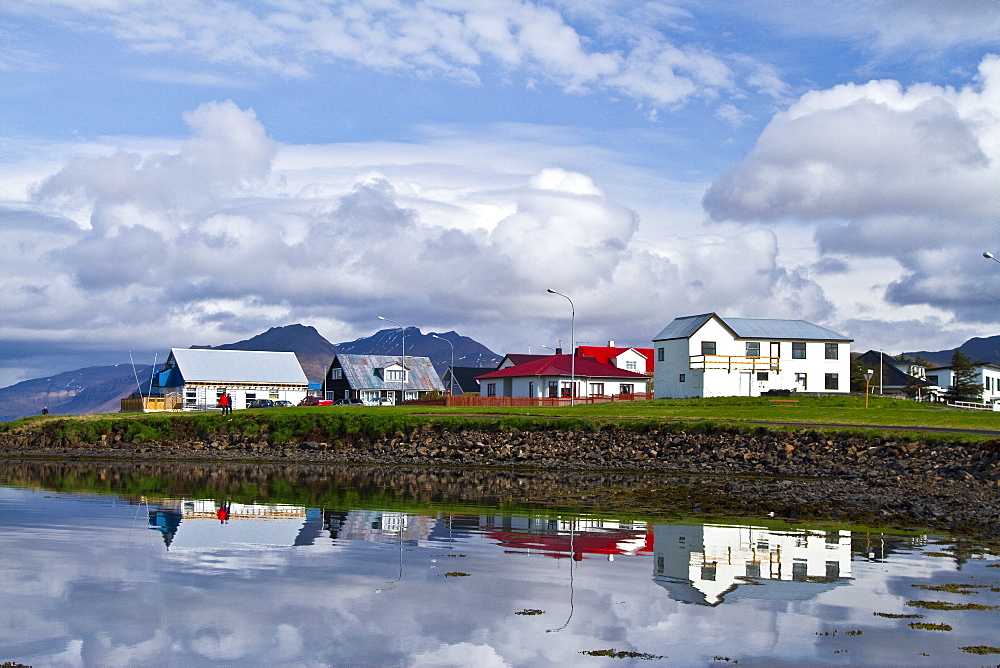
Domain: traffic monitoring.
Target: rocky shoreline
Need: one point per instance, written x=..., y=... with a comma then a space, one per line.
x=806, y=475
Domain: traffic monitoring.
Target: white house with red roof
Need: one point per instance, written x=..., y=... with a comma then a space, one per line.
x=639, y=360
x=554, y=376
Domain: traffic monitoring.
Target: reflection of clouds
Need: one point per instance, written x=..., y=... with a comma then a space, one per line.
x=98, y=596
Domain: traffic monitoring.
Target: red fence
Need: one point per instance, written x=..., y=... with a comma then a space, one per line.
x=503, y=402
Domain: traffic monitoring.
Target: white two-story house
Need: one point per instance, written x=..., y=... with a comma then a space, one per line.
x=711, y=356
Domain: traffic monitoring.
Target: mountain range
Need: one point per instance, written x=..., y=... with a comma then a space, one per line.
x=99, y=389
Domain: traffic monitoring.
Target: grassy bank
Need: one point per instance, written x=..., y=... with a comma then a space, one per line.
x=902, y=420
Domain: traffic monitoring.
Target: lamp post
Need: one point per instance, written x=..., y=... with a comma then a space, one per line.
x=572, y=347
x=989, y=256
x=868, y=377
x=451, y=391
x=402, y=378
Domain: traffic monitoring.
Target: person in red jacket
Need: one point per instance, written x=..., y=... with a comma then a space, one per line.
x=226, y=402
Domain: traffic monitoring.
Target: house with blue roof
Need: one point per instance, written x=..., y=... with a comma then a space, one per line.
x=194, y=378
x=709, y=355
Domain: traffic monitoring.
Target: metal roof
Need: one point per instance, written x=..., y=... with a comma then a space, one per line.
x=238, y=366
x=752, y=328
x=360, y=372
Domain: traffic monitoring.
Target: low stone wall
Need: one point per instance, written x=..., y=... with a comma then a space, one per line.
x=807, y=474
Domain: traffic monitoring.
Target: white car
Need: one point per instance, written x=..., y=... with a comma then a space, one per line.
x=380, y=401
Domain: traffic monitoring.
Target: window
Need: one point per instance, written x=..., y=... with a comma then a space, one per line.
x=531, y=389
x=798, y=350
x=932, y=379
x=336, y=374
x=597, y=389
x=553, y=389
x=761, y=375
x=630, y=366
x=800, y=380
x=753, y=348
x=659, y=354
x=832, y=381
x=708, y=347
x=832, y=351
x=627, y=388
x=491, y=389
x=252, y=395
x=683, y=378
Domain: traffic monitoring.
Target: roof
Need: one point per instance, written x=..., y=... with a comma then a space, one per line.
x=564, y=365
x=751, y=328
x=237, y=366
x=520, y=358
x=465, y=377
x=891, y=375
x=360, y=372
x=605, y=354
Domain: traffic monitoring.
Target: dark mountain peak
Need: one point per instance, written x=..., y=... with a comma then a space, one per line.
x=978, y=349
x=295, y=338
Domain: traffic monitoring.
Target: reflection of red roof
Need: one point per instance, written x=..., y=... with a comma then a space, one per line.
x=563, y=365
x=605, y=354
x=563, y=545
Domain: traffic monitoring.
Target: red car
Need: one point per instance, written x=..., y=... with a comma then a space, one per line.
x=316, y=401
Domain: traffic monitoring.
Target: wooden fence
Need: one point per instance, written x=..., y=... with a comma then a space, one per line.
x=507, y=402
x=144, y=404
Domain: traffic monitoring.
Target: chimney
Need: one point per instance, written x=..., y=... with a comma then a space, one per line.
x=558, y=351
x=611, y=344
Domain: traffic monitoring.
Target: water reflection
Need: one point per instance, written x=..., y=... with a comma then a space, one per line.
x=144, y=577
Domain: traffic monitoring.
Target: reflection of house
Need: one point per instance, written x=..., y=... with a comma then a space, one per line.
x=195, y=524
x=562, y=538
x=371, y=377
x=711, y=356
x=707, y=564
x=553, y=376
x=380, y=526
x=199, y=375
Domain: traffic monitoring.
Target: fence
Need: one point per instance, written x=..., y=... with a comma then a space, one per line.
x=513, y=402
x=144, y=404
x=976, y=407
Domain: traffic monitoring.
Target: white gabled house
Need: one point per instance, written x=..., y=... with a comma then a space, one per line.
x=194, y=378
x=711, y=356
x=987, y=375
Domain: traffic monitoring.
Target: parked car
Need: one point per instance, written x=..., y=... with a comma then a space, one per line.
x=316, y=401
x=260, y=403
x=380, y=401
x=349, y=402
x=283, y=403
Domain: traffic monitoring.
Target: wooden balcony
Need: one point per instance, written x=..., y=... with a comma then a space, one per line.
x=734, y=363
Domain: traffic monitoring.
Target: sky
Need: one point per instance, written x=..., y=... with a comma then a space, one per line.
x=191, y=172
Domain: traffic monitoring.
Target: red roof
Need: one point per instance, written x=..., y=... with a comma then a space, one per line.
x=605, y=354
x=563, y=365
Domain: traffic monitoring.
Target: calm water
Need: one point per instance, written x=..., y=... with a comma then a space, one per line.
x=429, y=579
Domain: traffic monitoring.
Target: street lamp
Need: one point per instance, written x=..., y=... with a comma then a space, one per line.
x=989, y=256
x=868, y=377
x=572, y=347
x=451, y=392
x=402, y=378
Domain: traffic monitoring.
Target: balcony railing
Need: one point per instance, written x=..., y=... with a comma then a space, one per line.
x=734, y=362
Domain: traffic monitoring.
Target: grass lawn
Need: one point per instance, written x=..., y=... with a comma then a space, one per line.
x=847, y=412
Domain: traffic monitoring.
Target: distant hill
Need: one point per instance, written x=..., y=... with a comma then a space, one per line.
x=468, y=352
x=100, y=389
x=312, y=350
x=977, y=349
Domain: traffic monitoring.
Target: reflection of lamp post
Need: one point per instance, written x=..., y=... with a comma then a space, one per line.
x=402, y=360
x=451, y=391
x=989, y=256
x=572, y=559
x=572, y=347
x=868, y=377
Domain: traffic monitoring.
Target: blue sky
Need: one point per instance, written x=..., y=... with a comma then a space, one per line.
x=197, y=172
